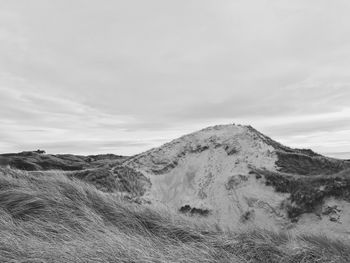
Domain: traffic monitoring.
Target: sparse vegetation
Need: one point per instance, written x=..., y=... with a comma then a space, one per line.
x=308, y=192
x=56, y=219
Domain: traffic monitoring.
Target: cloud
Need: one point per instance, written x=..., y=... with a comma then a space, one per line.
x=130, y=70
x=305, y=97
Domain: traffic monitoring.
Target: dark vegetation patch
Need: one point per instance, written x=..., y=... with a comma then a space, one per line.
x=187, y=209
x=22, y=164
x=39, y=161
x=131, y=181
x=247, y=216
x=302, y=164
x=119, y=179
x=307, y=193
x=230, y=150
x=198, y=148
x=164, y=167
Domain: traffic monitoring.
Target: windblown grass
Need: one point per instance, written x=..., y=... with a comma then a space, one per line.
x=51, y=218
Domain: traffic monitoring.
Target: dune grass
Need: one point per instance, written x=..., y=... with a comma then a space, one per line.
x=51, y=218
x=307, y=193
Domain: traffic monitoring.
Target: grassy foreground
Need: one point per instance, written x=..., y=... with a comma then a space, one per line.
x=51, y=218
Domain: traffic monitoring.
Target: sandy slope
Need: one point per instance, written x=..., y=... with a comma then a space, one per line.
x=209, y=170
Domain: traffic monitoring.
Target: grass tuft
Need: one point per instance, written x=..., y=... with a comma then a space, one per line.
x=47, y=217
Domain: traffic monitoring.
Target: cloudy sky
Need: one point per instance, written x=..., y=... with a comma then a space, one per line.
x=124, y=76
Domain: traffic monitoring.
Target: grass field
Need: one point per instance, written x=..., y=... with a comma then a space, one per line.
x=47, y=217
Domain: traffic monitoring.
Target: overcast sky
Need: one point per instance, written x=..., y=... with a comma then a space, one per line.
x=124, y=76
